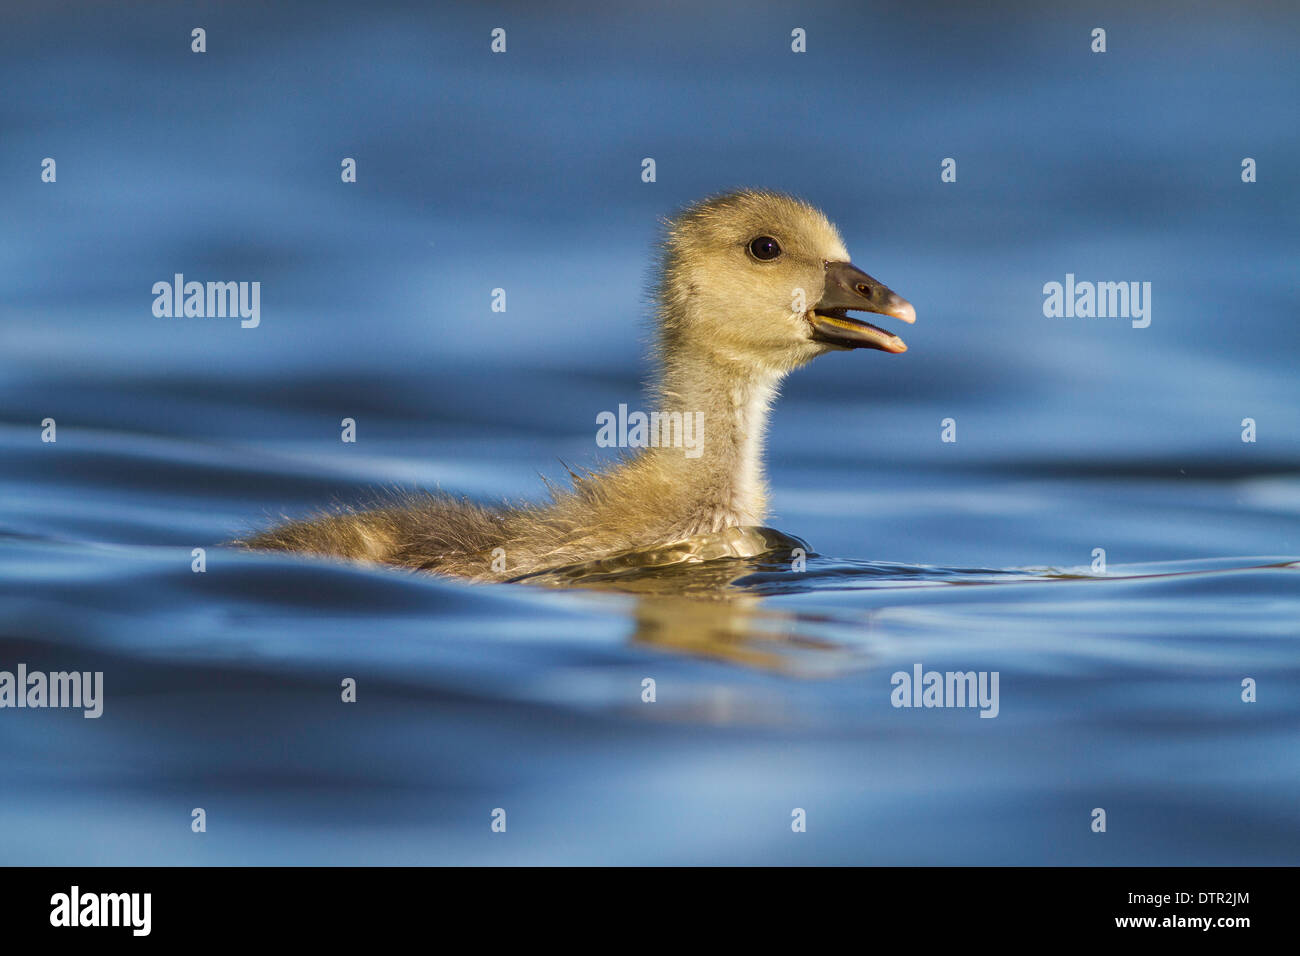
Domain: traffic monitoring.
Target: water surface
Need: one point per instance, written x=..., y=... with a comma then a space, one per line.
x=1119, y=688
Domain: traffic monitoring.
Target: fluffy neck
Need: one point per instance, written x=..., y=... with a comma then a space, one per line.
x=719, y=483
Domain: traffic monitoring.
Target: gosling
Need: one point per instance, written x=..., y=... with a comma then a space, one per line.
x=752, y=285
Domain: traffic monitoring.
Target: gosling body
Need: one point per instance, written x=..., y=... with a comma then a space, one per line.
x=752, y=285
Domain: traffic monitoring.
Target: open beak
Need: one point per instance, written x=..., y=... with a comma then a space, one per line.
x=848, y=287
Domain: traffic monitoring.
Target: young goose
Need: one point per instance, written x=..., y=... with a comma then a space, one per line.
x=752, y=285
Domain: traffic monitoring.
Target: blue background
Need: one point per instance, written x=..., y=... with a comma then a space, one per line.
x=522, y=171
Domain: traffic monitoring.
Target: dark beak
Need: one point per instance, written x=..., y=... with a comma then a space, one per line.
x=848, y=287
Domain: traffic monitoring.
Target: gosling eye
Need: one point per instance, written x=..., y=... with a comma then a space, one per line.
x=764, y=248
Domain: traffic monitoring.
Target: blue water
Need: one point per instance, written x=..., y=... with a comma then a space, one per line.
x=1118, y=689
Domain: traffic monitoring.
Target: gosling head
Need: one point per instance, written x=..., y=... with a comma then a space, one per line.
x=762, y=278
